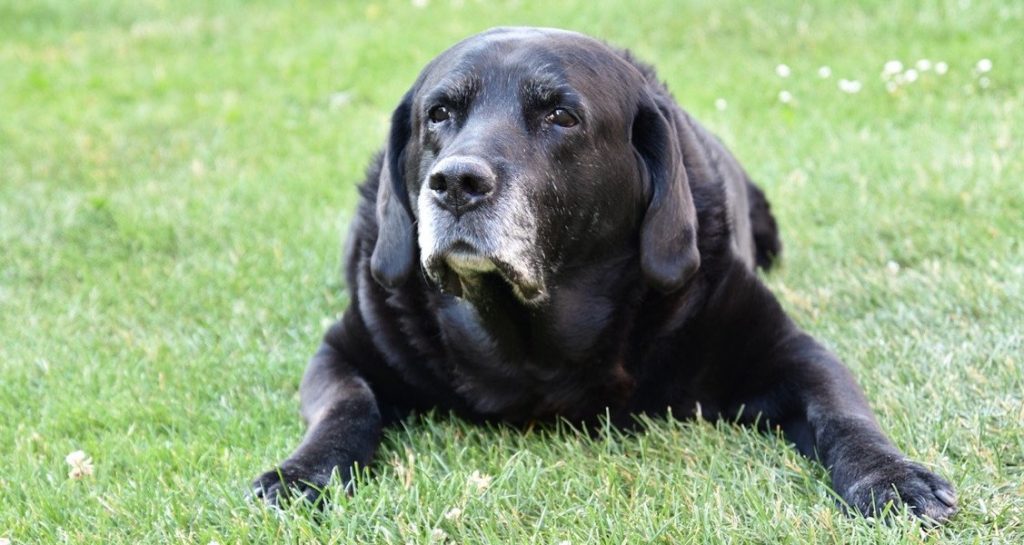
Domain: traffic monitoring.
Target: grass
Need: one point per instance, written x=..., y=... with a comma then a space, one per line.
x=175, y=176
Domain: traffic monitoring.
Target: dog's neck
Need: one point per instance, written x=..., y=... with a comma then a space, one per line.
x=541, y=359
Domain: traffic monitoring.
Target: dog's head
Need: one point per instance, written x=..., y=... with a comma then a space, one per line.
x=526, y=152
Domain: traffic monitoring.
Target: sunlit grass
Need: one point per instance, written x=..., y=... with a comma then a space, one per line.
x=175, y=178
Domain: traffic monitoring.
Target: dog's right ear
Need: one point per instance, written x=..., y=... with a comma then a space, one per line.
x=394, y=254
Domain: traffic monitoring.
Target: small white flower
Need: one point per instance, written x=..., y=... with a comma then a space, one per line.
x=198, y=168
x=5, y=541
x=824, y=72
x=81, y=464
x=438, y=535
x=785, y=97
x=76, y=457
x=479, y=481
x=565, y=542
x=892, y=67
x=983, y=66
x=721, y=104
x=923, y=65
x=892, y=267
x=892, y=86
x=941, y=68
x=910, y=76
x=850, y=86
x=339, y=100
x=783, y=71
x=419, y=3
x=453, y=514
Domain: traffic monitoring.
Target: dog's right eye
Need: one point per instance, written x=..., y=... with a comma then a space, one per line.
x=562, y=118
x=438, y=114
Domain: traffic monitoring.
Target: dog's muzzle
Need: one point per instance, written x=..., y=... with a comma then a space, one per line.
x=469, y=225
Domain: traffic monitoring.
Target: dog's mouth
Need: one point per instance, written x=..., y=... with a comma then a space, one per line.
x=462, y=269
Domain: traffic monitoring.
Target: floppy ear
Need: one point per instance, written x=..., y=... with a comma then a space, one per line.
x=394, y=253
x=668, y=236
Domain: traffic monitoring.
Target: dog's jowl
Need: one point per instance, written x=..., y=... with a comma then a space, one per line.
x=545, y=235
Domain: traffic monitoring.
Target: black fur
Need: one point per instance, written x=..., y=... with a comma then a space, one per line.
x=630, y=286
x=767, y=244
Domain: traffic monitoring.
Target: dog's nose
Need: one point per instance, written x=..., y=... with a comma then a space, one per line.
x=461, y=183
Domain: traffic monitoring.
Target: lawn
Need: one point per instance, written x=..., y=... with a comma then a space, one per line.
x=175, y=178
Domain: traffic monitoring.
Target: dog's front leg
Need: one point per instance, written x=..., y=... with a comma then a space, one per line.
x=820, y=407
x=344, y=427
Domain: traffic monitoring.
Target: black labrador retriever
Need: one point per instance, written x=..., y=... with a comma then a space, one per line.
x=547, y=234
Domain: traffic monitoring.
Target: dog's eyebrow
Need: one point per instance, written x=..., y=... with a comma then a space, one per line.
x=547, y=91
x=456, y=89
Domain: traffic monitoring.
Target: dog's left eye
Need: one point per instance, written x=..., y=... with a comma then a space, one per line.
x=439, y=114
x=562, y=118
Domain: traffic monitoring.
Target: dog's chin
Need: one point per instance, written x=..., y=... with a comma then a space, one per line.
x=461, y=272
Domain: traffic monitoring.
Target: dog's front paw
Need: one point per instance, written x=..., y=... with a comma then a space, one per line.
x=902, y=482
x=288, y=483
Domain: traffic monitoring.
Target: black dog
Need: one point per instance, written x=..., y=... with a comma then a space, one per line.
x=547, y=234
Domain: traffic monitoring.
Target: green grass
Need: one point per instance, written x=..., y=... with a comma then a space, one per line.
x=174, y=179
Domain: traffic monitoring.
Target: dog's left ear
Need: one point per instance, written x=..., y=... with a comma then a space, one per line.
x=668, y=236
x=395, y=252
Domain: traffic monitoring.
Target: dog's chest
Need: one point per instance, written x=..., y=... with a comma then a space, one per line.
x=518, y=380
